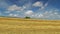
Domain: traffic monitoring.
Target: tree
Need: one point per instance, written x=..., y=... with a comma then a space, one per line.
x=27, y=17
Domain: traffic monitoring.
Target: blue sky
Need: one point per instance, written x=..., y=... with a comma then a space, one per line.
x=45, y=9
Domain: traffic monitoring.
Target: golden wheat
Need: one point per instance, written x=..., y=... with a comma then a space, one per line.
x=29, y=26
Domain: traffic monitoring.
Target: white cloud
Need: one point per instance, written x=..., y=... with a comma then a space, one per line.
x=40, y=15
x=7, y=11
x=47, y=15
x=46, y=4
x=15, y=8
x=10, y=14
x=29, y=13
x=40, y=4
x=51, y=15
x=24, y=7
x=27, y=5
x=55, y=13
x=0, y=13
x=13, y=15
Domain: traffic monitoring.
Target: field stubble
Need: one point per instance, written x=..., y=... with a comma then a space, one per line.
x=29, y=26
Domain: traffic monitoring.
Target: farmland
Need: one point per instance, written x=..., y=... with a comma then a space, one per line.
x=29, y=26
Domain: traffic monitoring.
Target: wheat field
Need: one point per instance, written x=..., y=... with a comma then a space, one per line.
x=29, y=26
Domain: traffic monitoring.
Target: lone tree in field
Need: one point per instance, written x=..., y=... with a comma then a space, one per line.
x=27, y=17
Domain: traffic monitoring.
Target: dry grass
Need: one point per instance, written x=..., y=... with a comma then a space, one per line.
x=29, y=26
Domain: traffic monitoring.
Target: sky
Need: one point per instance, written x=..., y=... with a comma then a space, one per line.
x=43, y=9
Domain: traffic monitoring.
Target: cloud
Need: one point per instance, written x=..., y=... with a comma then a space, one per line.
x=20, y=10
x=10, y=14
x=24, y=7
x=13, y=15
x=51, y=14
x=29, y=13
x=15, y=8
x=40, y=4
x=28, y=6
x=40, y=15
x=0, y=13
x=46, y=4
